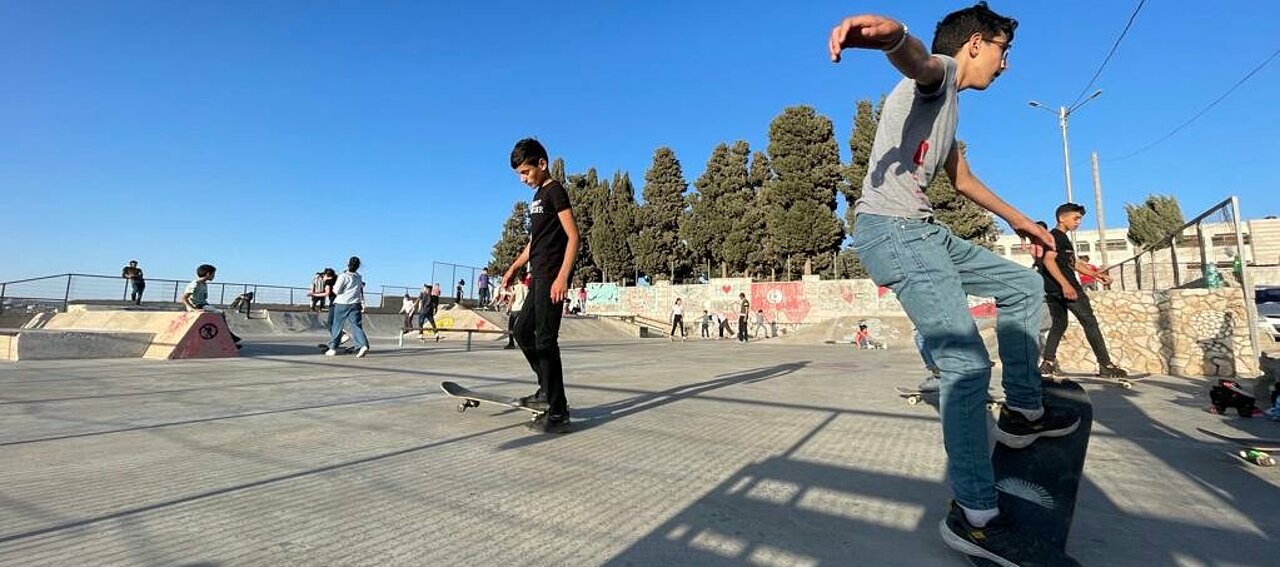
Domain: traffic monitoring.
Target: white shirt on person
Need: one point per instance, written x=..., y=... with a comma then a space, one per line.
x=349, y=289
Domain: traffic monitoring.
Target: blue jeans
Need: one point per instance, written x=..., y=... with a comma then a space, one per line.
x=924, y=353
x=932, y=271
x=346, y=313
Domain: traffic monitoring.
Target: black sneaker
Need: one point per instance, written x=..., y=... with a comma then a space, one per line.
x=1112, y=371
x=1049, y=368
x=1015, y=431
x=536, y=401
x=1001, y=542
x=548, y=423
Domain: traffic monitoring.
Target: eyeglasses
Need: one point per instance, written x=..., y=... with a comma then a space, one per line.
x=1005, y=46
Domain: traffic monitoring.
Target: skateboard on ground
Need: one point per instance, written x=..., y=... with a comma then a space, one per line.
x=1261, y=449
x=1245, y=442
x=914, y=397
x=471, y=399
x=1127, y=382
x=343, y=339
x=1038, y=484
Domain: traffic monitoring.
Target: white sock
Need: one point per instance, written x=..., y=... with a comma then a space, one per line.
x=1032, y=415
x=979, y=518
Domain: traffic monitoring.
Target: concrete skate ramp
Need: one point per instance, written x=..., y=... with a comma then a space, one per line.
x=175, y=334
x=892, y=330
x=585, y=328
x=44, y=344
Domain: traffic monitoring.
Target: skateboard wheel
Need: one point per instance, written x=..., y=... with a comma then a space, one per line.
x=913, y=400
x=1126, y=384
x=462, y=407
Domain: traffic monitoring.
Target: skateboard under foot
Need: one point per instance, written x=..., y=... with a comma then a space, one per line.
x=914, y=397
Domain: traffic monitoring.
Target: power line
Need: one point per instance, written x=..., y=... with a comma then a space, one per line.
x=1114, y=46
x=1203, y=110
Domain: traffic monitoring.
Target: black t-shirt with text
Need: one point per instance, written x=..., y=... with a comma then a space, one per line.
x=548, y=238
x=1066, y=261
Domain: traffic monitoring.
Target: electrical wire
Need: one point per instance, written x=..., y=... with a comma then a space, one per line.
x=1114, y=46
x=1203, y=110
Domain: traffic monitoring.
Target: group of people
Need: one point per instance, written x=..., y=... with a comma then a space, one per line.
x=345, y=294
x=707, y=320
x=422, y=307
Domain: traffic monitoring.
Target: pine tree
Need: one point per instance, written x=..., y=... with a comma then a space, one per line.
x=964, y=217
x=860, y=142
x=1154, y=219
x=801, y=200
x=557, y=171
x=715, y=209
x=612, y=227
x=656, y=245
x=584, y=194
x=515, y=235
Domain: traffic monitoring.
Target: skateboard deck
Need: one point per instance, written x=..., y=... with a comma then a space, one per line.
x=471, y=398
x=914, y=397
x=342, y=339
x=1038, y=485
x=1245, y=442
x=1126, y=382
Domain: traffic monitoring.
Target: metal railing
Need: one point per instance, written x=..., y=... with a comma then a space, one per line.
x=54, y=293
x=1218, y=241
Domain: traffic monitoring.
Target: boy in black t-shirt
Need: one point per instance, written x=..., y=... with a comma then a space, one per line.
x=1063, y=293
x=744, y=308
x=550, y=253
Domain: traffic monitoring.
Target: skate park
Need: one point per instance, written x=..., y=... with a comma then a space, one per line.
x=738, y=205
x=788, y=450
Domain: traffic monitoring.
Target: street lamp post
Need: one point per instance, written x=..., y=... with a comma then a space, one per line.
x=1063, y=113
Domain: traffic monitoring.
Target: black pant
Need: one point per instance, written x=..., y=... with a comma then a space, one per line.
x=511, y=328
x=677, y=321
x=1058, y=307
x=484, y=296
x=706, y=330
x=430, y=316
x=537, y=331
x=742, y=328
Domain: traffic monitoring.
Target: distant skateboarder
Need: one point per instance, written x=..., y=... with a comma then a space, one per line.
x=196, y=296
x=1063, y=292
x=550, y=253
x=133, y=275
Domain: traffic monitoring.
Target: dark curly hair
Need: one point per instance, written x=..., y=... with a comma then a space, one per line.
x=957, y=27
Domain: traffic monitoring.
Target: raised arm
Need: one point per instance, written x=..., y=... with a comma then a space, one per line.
x=906, y=53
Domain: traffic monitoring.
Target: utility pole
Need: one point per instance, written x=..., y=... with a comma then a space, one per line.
x=1063, y=113
x=1097, y=203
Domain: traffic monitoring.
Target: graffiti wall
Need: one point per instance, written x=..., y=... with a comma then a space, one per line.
x=801, y=302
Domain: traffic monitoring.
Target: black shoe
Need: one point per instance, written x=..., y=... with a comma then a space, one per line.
x=536, y=401
x=1015, y=431
x=1049, y=368
x=548, y=423
x=509, y=347
x=1000, y=541
x=1110, y=370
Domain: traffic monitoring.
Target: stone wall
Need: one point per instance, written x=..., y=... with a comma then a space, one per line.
x=1191, y=332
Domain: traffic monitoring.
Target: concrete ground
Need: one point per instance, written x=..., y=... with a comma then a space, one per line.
x=698, y=453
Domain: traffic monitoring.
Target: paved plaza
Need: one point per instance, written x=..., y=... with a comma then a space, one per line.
x=698, y=453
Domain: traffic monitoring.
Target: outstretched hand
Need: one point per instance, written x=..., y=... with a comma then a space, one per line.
x=866, y=32
x=1037, y=236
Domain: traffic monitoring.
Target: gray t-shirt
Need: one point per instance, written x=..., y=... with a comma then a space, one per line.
x=914, y=137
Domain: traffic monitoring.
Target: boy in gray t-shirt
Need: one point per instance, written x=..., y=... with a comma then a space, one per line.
x=932, y=271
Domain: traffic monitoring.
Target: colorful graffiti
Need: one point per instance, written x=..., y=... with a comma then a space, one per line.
x=602, y=294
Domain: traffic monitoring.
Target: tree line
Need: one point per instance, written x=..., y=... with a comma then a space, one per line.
x=752, y=213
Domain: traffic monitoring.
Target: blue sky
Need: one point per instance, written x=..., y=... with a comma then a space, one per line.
x=273, y=138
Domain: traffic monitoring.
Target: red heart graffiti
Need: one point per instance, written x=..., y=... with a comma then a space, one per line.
x=726, y=289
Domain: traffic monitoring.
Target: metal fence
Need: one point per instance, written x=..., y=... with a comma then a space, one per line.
x=1210, y=250
x=53, y=293
x=448, y=275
